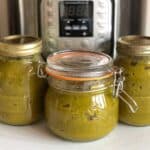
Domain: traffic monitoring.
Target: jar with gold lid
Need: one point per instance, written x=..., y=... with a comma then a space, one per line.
x=81, y=102
x=21, y=91
x=134, y=57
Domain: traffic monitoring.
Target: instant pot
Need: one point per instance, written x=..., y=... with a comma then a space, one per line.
x=78, y=24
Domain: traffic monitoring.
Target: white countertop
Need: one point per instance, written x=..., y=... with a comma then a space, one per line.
x=37, y=137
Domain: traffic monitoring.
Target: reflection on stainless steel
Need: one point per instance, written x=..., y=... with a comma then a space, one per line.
x=20, y=17
x=134, y=17
x=23, y=16
x=59, y=32
x=145, y=26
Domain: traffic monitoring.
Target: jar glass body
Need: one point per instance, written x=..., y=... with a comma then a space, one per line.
x=21, y=91
x=137, y=85
x=81, y=110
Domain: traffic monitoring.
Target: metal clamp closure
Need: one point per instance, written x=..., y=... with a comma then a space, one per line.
x=118, y=81
x=120, y=92
x=41, y=70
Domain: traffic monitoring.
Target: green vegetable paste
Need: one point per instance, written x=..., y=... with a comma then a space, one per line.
x=21, y=91
x=137, y=85
x=81, y=115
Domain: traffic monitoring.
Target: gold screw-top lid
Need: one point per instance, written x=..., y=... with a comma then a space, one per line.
x=20, y=46
x=134, y=45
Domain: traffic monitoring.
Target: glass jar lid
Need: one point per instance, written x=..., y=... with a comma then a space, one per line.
x=19, y=46
x=79, y=65
x=134, y=45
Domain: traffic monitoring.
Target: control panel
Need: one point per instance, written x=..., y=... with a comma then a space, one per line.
x=76, y=18
x=78, y=24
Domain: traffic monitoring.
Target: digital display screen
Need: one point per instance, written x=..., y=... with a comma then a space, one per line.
x=82, y=9
x=76, y=18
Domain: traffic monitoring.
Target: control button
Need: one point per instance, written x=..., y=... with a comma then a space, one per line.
x=84, y=34
x=84, y=28
x=68, y=28
x=75, y=27
x=68, y=22
x=67, y=33
x=83, y=22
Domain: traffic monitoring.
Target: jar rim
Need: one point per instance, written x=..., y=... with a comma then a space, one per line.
x=79, y=65
x=20, y=46
x=135, y=45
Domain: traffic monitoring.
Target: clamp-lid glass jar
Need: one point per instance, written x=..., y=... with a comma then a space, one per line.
x=21, y=91
x=134, y=57
x=80, y=103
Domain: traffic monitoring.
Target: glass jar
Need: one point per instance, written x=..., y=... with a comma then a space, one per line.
x=21, y=91
x=134, y=57
x=81, y=103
